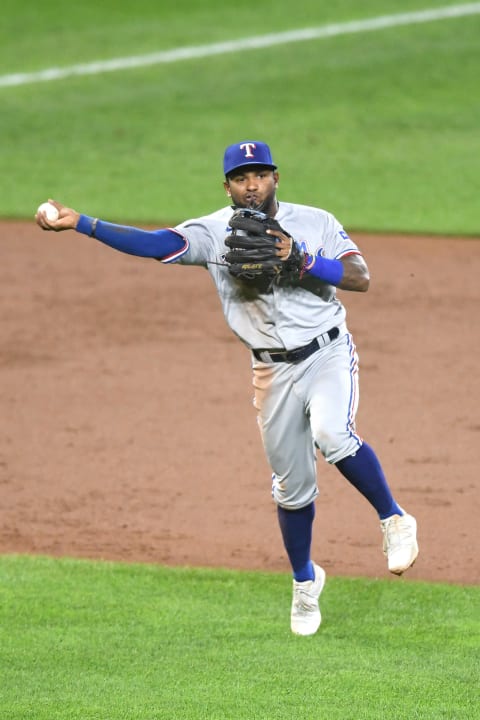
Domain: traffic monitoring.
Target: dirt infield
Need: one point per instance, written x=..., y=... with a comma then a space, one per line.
x=122, y=437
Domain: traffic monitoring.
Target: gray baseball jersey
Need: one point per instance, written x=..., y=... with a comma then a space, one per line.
x=300, y=406
x=288, y=317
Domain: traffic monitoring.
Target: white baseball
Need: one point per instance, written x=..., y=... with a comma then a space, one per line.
x=51, y=212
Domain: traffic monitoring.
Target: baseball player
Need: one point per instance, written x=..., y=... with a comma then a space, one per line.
x=276, y=266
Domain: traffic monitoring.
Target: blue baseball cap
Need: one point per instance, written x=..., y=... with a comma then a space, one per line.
x=247, y=152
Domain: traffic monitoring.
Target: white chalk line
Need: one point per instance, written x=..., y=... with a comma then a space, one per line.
x=249, y=43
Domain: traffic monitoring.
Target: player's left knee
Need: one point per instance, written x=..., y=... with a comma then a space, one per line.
x=335, y=446
x=292, y=493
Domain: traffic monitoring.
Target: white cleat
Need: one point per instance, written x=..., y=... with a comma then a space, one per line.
x=305, y=616
x=399, y=542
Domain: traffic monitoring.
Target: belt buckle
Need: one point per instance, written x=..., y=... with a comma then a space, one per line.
x=279, y=356
x=302, y=353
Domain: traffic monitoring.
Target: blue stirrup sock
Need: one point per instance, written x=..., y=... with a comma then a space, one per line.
x=363, y=471
x=296, y=529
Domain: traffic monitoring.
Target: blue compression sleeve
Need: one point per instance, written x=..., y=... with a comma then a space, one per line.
x=296, y=529
x=364, y=471
x=330, y=271
x=160, y=244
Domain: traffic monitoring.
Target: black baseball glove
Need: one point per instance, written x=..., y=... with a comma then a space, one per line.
x=253, y=255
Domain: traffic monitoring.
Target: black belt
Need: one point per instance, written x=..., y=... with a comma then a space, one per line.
x=298, y=354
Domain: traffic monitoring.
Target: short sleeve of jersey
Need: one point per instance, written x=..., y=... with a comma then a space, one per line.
x=337, y=242
x=199, y=242
x=205, y=237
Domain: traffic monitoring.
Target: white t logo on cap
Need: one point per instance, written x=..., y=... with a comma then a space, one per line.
x=248, y=149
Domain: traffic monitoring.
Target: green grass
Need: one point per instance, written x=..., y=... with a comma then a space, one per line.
x=103, y=640
x=381, y=128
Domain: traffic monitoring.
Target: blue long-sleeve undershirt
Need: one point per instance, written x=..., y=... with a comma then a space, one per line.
x=159, y=244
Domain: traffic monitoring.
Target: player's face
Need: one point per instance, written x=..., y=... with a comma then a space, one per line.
x=253, y=188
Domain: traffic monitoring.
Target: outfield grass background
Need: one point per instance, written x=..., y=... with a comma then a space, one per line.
x=106, y=640
x=382, y=129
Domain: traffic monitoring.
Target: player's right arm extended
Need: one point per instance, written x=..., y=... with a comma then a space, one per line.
x=163, y=244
